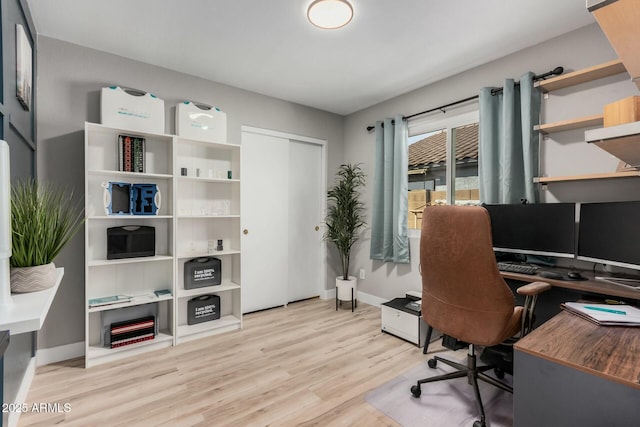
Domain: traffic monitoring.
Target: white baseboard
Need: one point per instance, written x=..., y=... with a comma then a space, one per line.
x=46, y=356
x=362, y=296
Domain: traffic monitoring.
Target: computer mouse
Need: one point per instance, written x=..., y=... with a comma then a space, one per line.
x=550, y=275
x=575, y=275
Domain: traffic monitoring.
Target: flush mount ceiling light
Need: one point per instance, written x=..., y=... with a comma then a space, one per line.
x=330, y=14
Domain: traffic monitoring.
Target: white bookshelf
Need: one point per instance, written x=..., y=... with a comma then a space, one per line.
x=207, y=209
x=136, y=277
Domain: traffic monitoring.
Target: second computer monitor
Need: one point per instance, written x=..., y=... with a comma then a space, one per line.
x=534, y=229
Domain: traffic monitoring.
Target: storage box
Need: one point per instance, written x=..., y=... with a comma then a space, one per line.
x=109, y=317
x=201, y=272
x=203, y=309
x=626, y=110
x=200, y=121
x=131, y=109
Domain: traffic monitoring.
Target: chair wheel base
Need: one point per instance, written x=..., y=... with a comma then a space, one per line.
x=432, y=363
x=416, y=391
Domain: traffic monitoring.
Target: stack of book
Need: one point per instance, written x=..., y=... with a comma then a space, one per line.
x=132, y=331
x=131, y=153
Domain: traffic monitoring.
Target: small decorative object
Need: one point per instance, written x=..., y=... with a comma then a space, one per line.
x=183, y=171
x=229, y=174
x=219, y=247
x=211, y=246
x=43, y=220
x=198, y=172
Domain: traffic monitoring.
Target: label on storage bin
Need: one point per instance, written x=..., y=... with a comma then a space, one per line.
x=206, y=310
x=204, y=274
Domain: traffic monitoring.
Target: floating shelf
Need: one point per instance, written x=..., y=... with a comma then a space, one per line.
x=582, y=122
x=610, y=175
x=623, y=141
x=607, y=69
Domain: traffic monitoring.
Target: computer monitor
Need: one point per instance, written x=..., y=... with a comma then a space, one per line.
x=546, y=229
x=609, y=233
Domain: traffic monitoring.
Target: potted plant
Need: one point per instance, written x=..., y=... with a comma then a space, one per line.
x=345, y=218
x=43, y=220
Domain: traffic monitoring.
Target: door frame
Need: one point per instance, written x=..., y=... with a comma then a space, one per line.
x=324, y=294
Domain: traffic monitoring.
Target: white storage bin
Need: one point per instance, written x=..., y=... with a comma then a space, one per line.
x=199, y=121
x=131, y=109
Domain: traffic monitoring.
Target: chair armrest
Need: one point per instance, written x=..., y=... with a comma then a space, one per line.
x=533, y=288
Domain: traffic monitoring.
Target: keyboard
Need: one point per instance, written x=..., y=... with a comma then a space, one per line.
x=517, y=268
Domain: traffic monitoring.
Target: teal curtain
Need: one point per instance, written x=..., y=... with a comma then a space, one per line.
x=389, y=238
x=508, y=145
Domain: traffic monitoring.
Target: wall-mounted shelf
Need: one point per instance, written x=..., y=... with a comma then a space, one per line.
x=610, y=175
x=599, y=71
x=623, y=141
x=582, y=122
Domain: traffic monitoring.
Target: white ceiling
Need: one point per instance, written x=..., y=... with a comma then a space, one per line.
x=269, y=47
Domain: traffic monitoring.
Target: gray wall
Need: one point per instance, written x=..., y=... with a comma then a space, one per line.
x=563, y=153
x=69, y=81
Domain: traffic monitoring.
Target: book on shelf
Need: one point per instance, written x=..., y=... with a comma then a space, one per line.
x=131, y=153
x=114, y=299
x=605, y=314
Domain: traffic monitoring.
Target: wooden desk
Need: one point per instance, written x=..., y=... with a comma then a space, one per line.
x=589, y=286
x=571, y=372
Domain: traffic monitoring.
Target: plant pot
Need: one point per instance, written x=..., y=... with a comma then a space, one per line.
x=344, y=288
x=32, y=279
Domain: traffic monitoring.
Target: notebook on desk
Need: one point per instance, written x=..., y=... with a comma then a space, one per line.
x=605, y=314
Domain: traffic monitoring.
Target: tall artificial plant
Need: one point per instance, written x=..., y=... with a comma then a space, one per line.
x=345, y=212
x=43, y=220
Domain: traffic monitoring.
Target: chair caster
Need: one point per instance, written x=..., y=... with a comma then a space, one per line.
x=416, y=391
x=432, y=363
x=499, y=373
x=479, y=423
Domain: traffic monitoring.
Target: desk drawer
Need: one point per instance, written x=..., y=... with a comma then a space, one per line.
x=401, y=324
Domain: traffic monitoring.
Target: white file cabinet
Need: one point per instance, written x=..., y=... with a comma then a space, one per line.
x=402, y=322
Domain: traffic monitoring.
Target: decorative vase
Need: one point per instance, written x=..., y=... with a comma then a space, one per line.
x=32, y=279
x=345, y=287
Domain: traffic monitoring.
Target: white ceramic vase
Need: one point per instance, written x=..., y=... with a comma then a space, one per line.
x=32, y=279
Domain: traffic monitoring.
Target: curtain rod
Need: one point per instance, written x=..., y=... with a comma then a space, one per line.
x=554, y=72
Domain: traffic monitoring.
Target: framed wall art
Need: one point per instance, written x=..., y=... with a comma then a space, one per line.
x=24, y=68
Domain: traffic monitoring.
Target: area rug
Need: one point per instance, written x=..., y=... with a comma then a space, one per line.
x=442, y=403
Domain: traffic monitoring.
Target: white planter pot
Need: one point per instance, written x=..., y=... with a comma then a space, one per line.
x=33, y=279
x=344, y=288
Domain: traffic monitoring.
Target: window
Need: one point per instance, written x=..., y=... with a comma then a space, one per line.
x=443, y=163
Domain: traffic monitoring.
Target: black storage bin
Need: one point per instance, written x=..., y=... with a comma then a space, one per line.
x=203, y=309
x=201, y=272
x=130, y=241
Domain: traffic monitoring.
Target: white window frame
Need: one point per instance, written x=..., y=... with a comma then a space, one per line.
x=447, y=121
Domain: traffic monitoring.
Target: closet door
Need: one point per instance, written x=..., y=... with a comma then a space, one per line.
x=265, y=200
x=282, y=213
x=306, y=207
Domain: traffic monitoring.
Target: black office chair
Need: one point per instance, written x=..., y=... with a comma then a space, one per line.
x=465, y=297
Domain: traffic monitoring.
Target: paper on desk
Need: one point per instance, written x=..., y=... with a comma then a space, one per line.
x=605, y=314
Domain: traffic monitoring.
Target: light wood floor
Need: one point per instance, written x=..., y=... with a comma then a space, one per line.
x=304, y=364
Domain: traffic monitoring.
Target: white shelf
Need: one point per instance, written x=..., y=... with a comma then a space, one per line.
x=203, y=254
x=209, y=144
x=128, y=217
x=137, y=300
x=224, y=322
x=208, y=216
x=103, y=262
x=135, y=175
x=28, y=311
x=225, y=286
x=96, y=351
x=211, y=180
